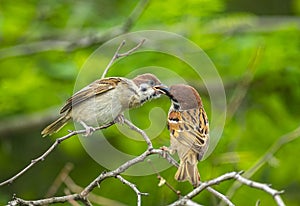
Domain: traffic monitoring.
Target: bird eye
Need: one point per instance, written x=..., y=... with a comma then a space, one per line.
x=144, y=87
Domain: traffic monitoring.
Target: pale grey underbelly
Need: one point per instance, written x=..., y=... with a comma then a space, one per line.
x=95, y=111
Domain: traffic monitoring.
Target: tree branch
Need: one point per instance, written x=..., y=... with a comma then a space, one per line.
x=134, y=188
x=228, y=176
x=220, y=196
x=138, y=130
x=45, y=154
x=277, y=145
x=73, y=187
x=117, y=55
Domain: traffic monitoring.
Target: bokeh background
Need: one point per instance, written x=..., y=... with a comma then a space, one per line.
x=255, y=46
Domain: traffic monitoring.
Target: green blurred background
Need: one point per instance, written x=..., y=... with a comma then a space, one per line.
x=255, y=45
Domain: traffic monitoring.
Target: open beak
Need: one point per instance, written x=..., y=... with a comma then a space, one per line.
x=162, y=89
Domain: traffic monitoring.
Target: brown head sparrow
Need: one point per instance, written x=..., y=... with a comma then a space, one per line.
x=189, y=130
x=104, y=101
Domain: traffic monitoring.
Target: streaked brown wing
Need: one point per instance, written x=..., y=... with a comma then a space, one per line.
x=193, y=130
x=97, y=87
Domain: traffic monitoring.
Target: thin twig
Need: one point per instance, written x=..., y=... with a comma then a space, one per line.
x=114, y=58
x=163, y=181
x=237, y=176
x=72, y=202
x=118, y=55
x=73, y=187
x=276, y=146
x=82, y=196
x=117, y=171
x=19, y=201
x=144, y=135
x=220, y=196
x=49, y=150
x=134, y=188
x=275, y=194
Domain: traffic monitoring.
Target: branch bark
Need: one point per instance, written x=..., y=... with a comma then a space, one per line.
x=45, y=154
x=228, y=176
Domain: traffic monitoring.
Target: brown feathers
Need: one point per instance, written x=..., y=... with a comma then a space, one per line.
x=189, y=130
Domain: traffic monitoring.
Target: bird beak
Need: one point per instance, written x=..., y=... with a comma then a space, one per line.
x=162, y=89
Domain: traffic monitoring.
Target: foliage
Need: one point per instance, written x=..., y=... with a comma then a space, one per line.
x=36, y=82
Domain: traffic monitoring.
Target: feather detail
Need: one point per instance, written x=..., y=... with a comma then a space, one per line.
x=56, y=126
x=188, y=171
x=189, y=131
x=97, y=87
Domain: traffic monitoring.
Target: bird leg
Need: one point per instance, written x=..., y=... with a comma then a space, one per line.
x=166, y=149
x=89, y=130
x=120, y=119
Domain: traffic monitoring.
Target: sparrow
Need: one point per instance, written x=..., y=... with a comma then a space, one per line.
x=189, y=130
x=104, y=101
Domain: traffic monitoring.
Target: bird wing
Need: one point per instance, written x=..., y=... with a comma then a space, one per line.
x=99, y=86
x=190, y=128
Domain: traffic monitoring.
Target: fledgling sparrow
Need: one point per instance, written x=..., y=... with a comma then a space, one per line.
x=189, y=130
x=105, y=100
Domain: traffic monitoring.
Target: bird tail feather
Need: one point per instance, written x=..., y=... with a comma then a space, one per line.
x=55, y=126
x=188, y=171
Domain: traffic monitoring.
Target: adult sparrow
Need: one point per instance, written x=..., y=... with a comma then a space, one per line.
x=189, y=130
x=104, y=101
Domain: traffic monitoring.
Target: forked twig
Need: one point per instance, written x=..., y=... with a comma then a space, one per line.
x=118, y=55
x=134, y=188
x=277, y=145
x=228, y=176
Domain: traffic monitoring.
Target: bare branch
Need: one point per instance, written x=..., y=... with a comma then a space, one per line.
x=114, y=58
x=72, y=202
x=19, y=201
x=220, y=196
x=228, y=176
x=92, y=197
x=82, y=196
x=134, y=188
x=119, y=170
x=45, y=154
x=118, y=55
x=138, y=130
x=275, y=194
x=277, y=145
x=162, y=180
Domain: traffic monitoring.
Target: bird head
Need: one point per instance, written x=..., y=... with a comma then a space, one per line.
x=182, y=96
x=145, y=84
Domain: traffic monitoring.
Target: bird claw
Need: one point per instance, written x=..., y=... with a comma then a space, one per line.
x=88, y=129
x=166, y=150
x=120, y=119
